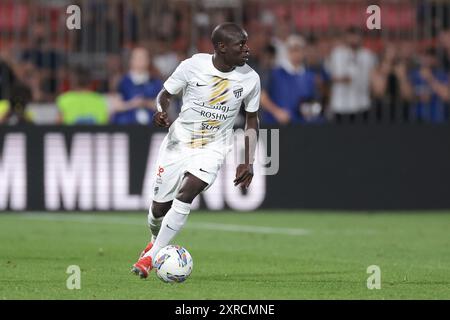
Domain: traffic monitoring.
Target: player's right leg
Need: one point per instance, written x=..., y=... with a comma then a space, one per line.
x=167, y=176
x=156, y=214
x=200, y=172
x=173, y=222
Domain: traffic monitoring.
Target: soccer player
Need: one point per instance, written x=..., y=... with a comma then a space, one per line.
x=214, y=89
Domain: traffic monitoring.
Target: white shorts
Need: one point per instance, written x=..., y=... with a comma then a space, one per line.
x=175, y=159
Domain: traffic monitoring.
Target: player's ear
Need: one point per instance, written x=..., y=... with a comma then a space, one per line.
x=222, y=47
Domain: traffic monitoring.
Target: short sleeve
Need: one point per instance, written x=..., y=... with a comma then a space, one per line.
x=251, y=101
x=178, y=80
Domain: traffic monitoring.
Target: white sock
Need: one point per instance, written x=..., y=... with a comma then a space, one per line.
x=154, y=224
x=172, y=223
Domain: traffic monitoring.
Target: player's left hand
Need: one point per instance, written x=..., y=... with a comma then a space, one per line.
x=244, y=175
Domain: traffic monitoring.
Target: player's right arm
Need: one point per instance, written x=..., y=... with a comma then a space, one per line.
x=173, y=85
x=161, y=118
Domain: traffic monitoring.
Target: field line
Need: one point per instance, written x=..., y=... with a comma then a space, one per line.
x=248, y=229
x=211, y=226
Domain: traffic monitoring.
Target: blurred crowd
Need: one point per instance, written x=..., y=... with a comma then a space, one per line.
x=352, y=75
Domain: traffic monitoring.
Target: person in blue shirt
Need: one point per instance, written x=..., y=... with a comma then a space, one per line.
x=291, y=93
x=138, y=91
x=430, y=90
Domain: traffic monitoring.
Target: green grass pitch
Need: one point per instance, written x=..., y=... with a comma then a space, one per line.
x=263, y=255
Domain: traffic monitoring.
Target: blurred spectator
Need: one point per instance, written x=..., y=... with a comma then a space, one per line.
x=314, y=61
x=282, y=33
x=165, y=59
x=43, y=57
x=264, y=65
x=103, y=17
x=444, y=49
x=350, y=66
x=81, y=105
x=262, y=62
x=291, y=93
x=430, y=89
x=14, y=97
x=390, y=87
x=4, y=109
x=17, y=113
x=113, y=74
x=432, y=15
x=39, y=52
x=7, y=78
x=138, y=90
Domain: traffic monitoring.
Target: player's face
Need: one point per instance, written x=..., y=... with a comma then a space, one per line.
x=238, y=52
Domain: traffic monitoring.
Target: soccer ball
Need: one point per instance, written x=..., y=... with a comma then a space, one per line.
x=173, y=264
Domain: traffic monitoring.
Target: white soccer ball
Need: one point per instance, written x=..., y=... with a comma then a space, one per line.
x=173, y=264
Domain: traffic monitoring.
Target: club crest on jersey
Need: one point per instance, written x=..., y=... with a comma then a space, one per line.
x=237, y=91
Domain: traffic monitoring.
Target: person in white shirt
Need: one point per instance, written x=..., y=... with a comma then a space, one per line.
x=350, y=66
x=214, y=88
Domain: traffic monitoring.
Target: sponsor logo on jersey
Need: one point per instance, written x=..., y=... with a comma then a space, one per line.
x=219, y=107
x=160, y=170
x=209, y=127
x=212, y=115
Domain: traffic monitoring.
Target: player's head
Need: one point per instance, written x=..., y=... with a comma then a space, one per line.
x=139, y=60
x=230, y=43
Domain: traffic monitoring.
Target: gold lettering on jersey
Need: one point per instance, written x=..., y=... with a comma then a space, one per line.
x=220, y=91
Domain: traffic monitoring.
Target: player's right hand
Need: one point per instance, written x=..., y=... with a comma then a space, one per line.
x=161, y=119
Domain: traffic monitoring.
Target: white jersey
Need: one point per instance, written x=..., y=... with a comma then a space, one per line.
x=211, y=101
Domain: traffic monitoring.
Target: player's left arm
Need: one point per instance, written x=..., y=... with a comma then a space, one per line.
x=244, y=171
